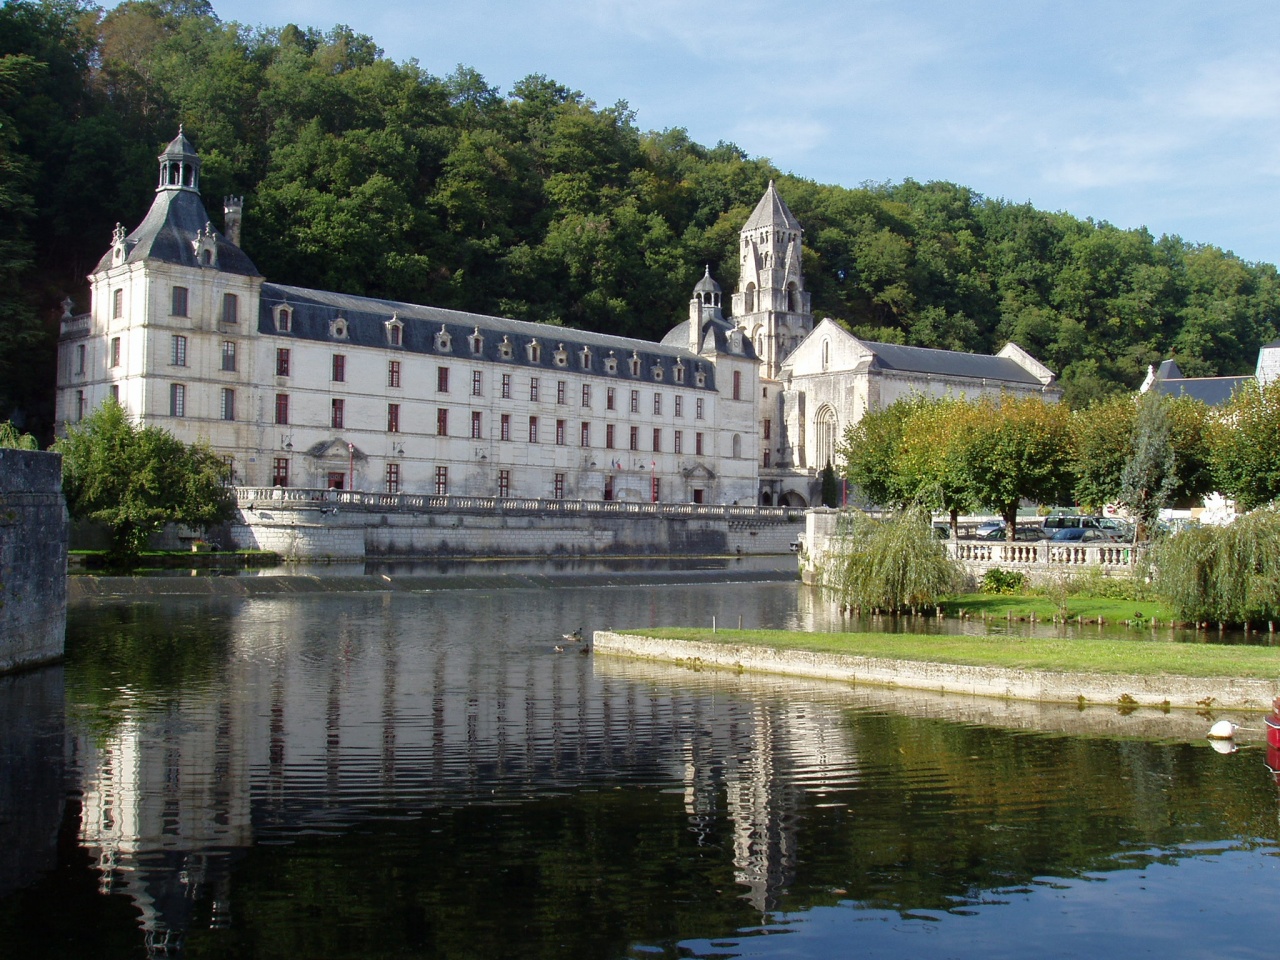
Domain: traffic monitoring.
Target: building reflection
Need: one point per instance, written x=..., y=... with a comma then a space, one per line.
x=303, y=731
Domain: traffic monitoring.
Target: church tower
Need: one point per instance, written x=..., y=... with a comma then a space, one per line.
x=771, y=305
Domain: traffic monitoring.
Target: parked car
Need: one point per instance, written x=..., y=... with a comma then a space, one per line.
x=1070, y=523
x=1023, y=533
x=1081, y=535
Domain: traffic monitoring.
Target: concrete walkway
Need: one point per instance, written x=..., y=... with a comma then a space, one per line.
x=1039, y=686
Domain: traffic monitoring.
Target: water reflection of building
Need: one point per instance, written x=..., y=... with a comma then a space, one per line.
x=305, y=729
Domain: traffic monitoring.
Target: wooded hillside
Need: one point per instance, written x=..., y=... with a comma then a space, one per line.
x=371, y=177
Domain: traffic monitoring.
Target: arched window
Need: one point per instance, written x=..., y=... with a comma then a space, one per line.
x=792, y=299
x=826, y=431
x=749, y=298
x=826, y=355
x=737, y=445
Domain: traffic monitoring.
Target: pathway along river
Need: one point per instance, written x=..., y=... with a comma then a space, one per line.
x=421, y=774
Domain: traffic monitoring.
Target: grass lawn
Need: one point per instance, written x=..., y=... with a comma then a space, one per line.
x=1045, y=608
x=1137, y=657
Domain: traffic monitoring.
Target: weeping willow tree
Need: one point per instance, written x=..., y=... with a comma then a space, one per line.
x=1223, y=574
x=889, y=565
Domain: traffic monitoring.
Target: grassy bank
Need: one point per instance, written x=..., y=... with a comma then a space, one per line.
x=1046, y=608
x=1135, y=657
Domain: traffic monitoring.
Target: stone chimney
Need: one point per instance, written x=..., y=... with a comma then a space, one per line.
x=232, y=208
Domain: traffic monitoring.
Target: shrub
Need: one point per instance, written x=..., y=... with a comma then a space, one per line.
x=1003, y=581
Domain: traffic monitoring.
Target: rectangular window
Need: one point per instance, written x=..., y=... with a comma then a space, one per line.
x=586, y=434
x=737, y=384
x=506, y=386
x=282, y=408
x=475, y=425
x=610, y=398
x=560, y=433
x=679, y=406
x=229, y=355
x=338, y=413
x=442, y=379
x=558, y=491
x=282, y=361
x=657, y=404
x=698, y=409
x=228, y=403
x=117, y=304
x=280, y=472
x=533, y=429
x=767, y=425
x=80, y=355
x=393, y=332
x=678, y=442
x=177, y=400
x=560, y=391
x=766, y=458
x=230, y=308
x=81, y=406
x=657, y=439
x=442, y=422
x=393, y=373
x=178, y=350
x=635, y=438
x=179, y=302
x=697, y=444
x=442, y=481
x=655, y=485
x=586, y=395
x=533, y=389
x=635, y=401
x=608, y=435
x=393, y=418
x=505, y=427
x=339, y=368
x=393, y=478
x=115, y=351
x=115, y=392
x=477, y=383
x=504, y=483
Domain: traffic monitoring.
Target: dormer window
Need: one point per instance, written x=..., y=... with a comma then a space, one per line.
x=679, y=368
x=206, y=246
x=561, y=356
x=534, y=350
x=395, y=331
x=634, y=363
x=657, y=372
x=585, y=357
x=338, y=328
x=444, y=342
x=505, y=350
x=699, y=378
x=610, y=363
x=284, y=319
x=477, y=343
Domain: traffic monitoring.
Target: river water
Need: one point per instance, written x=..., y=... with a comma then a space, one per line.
x=422, y=774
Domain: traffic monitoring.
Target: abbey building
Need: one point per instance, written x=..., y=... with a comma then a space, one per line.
x=308, y=388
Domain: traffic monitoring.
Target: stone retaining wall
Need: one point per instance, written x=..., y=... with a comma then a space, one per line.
x=1031, y=685
x=33, y=558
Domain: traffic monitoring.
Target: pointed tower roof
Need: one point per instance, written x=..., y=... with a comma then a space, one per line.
x=771, y=211
x=707, y=284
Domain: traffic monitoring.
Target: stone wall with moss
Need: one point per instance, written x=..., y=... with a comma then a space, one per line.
x=33, y=558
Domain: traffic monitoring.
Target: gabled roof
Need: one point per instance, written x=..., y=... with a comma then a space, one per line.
x=771, y=211
x=947, y=363
x=1212, y=391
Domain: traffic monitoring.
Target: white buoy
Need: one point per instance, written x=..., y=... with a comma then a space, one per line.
x=1222, y=730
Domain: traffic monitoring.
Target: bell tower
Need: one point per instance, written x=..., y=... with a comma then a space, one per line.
x=771, y=305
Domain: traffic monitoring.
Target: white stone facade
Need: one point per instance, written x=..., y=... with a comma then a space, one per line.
x=308, y=388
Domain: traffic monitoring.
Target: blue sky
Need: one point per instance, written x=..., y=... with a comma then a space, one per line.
x=1143, y=114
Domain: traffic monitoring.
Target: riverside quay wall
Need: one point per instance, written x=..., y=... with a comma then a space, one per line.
x=303, y=524
x=33, y=559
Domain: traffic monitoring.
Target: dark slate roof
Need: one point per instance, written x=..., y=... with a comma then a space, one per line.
x=366, y=317
x=1213, y=391
x=715, y=337
x=949, y=363
x=166, y=233
x=1168, y=370
x=770, y=211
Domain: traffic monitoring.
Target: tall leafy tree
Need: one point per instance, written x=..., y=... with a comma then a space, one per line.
x=1243, y=444
x=1149, y=477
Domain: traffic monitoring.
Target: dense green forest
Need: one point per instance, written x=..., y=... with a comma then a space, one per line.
x=368, y=176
